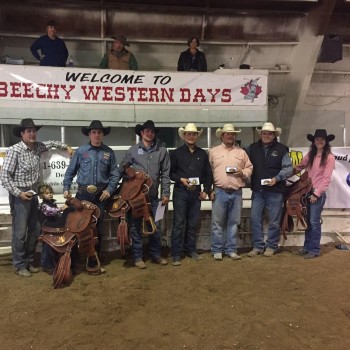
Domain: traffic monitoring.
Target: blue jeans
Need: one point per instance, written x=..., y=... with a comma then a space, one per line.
x=187, y=206
x=25, y=230
x=135, y=228
x=313, y=220
x=226, y=216
x=273, y=202
x=49, y=256
x=94, y=198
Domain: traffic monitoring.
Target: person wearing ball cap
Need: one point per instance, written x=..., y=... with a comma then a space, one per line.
x=231, y=167
x=190, y=169
x=272, y=166
x=320, y=163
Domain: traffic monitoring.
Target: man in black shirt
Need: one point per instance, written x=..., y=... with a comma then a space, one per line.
x=189, y=169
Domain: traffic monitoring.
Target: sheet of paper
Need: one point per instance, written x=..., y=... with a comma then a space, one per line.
x=160, y=212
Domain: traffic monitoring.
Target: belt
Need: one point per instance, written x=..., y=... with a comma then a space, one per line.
x=188, y=188
x=228, y=190
x=91, y=188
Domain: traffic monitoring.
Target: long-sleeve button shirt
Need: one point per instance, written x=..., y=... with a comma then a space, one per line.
x=93, y=166
x=54, y=52
x=186, y=164
x=320, y=176
x=220, y=157
x=22, y=164
x=154, y=161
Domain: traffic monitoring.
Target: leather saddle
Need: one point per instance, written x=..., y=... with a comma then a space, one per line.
x=77, y=225
x=133, y=193
x=295, y=204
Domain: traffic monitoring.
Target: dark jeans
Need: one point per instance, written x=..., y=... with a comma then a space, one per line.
x=49, y=257
x=135, y=228
x=25, y=230
x=94, y=198
x=187, y=207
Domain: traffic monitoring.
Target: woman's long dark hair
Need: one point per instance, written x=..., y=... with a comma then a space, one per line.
x=313, y=152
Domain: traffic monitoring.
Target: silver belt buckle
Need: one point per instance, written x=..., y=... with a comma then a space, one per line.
x=91, y=188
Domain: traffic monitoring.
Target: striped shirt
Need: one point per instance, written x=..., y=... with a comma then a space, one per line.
x=20, y=171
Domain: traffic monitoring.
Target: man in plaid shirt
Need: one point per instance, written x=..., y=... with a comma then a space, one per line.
x=19, y=175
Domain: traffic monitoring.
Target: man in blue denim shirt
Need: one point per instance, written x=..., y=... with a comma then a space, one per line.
x=97, y=172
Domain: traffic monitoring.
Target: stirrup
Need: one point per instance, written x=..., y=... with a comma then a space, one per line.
x=150, y=223
x=96, y=270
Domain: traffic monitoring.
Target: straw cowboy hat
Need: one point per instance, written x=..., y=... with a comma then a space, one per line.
x=226, y=128
x=269, y=127
x=149, y=124
x=190, y=127
x=26, y=123
x=95, y=125
x=320, y=133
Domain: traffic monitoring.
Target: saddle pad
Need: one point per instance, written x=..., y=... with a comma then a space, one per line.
x=58, y=242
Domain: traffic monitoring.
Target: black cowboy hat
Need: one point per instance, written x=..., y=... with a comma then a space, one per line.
x=149, y=124
x=26, y=123
x=320, y=133
x=95, y=125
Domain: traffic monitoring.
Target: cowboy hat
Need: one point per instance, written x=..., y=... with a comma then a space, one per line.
x=269, y=127
x=320, y=133
x=95, y=125
x=190, y=127
x=122, y=38
x=26, y=123
x=149, y=124
x=226, y=128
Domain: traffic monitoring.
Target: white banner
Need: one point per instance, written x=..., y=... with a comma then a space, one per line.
x=72, y=85
x=338, y=193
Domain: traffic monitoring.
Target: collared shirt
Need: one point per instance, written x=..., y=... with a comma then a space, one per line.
x=93, y=166
x=22, y=164
x=220, y=157
x=320, y=176
x=187, y=164
x=154, y=161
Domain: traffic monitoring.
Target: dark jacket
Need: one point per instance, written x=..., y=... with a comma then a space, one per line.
x=267, y=165
x=189, y=62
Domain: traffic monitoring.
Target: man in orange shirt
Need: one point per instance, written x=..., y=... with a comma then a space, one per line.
x=231, y=166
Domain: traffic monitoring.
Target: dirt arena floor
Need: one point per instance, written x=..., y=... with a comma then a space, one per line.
x=283, y=302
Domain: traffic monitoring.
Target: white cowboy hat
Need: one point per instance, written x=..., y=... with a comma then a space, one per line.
x=226, y=128
x=269, y=127
x=190, y=127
